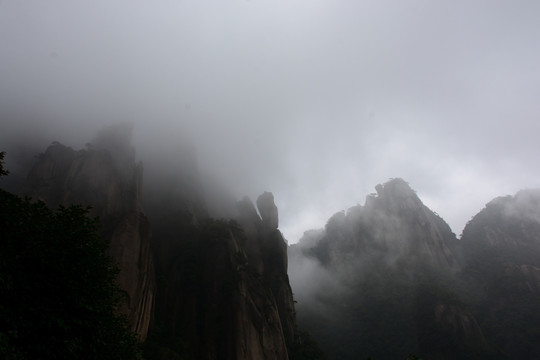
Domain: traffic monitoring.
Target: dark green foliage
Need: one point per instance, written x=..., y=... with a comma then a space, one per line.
x=58, y=296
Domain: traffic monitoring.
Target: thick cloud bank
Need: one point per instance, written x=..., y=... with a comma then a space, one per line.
x=315, y=101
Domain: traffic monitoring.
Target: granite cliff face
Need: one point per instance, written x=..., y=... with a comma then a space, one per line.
x=268, y=211
x=105, y=177
x=267, y=251
x=223, y=289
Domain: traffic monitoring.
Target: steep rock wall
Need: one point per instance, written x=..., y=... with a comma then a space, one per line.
x=224, y=291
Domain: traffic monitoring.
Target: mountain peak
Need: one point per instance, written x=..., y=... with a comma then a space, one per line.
x=508, y=224
x=394, y=196
x=395, y=187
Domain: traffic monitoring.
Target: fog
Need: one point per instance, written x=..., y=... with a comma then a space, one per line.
x=316, y=101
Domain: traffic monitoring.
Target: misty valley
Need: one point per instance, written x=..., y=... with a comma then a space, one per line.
x=174, y=267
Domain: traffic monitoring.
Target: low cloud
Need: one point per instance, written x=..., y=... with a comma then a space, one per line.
x=314, y=101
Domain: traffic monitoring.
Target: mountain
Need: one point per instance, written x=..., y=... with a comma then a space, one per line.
x=392, y=226
x=383, y=280
x=196, y=287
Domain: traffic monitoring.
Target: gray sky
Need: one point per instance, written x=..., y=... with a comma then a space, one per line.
x=316, y=101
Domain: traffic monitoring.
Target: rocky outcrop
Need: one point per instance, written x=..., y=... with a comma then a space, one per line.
x=274, y=250
x=106, y=178
x=268, y=210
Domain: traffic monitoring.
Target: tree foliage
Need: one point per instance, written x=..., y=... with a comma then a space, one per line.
x=58, y=296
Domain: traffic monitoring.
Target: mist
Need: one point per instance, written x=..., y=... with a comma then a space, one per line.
x=316, y=101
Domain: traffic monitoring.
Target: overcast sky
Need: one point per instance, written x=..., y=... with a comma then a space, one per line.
x=316, y=101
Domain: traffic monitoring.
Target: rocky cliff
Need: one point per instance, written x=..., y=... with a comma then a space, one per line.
x=267, y=251
x=106, y=178
x=223, y=289
x=219, y=288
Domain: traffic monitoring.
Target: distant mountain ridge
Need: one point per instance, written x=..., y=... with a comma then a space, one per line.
x=403, y=283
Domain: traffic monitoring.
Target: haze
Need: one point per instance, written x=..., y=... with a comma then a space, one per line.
x=316, y=101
